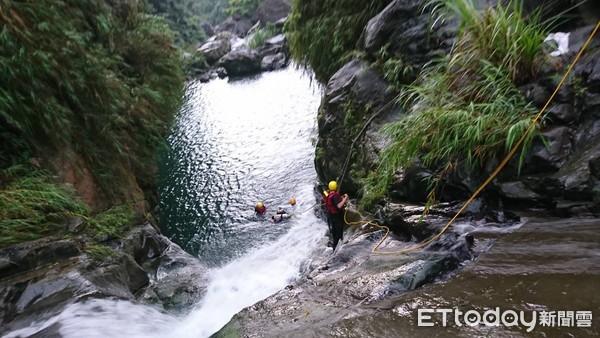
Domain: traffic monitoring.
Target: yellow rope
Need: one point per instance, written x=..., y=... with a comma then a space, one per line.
x=494, y=173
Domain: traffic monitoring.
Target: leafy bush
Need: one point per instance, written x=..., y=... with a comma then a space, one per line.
x=501, y=35
x=466, y=107
x=323, y=34
x=195, y=63
x=101, y=253
x=262, y=35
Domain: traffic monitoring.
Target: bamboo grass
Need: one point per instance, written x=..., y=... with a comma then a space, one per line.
x=466, y=107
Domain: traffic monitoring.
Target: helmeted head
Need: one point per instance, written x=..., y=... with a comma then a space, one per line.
x=259, y=205
x=332, y=186
x=292, y=201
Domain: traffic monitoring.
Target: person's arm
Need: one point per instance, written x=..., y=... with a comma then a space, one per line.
x=342, y=202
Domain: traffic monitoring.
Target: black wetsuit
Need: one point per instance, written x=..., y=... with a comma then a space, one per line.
x=336, y=221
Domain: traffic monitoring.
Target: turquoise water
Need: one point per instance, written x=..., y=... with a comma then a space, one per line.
x=236, y=143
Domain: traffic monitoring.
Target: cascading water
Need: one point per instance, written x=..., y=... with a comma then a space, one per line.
x=234, y=143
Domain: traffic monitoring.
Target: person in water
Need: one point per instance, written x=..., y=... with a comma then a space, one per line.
x=260, y=208
x=280, y=215
x=334, y=205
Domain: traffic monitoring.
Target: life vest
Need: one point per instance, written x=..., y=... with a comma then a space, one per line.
x=329, y=206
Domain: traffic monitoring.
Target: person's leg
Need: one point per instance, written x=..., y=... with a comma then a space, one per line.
x=338, y=230
x=329, y=220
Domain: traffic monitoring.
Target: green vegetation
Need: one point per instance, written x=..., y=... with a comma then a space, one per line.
x=33, y=205
x=111, y=223
x=395, y=71
x=100, y=252
x=466, y=107
x=244, y=8
x=97, y=77
x=194, y=64
x=262, y=35
x=185, y=16
x=92, y=83
x=323, y=34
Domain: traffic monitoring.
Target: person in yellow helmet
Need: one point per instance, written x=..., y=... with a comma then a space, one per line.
x=334, y=205
x=260, y=208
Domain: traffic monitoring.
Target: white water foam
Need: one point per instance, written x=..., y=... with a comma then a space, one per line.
x=252, y=278
x=241, y=283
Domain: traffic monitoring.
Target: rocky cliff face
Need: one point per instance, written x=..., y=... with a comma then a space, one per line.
x=230, y=52
x=560, y=170
x=357, y=92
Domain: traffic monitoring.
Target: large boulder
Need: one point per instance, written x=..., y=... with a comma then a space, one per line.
x=143, y=244
x=274, y=45
x=216, y=47
x=405, y=27
x=177, y=279
x=272, y=11
x=353, y=95
x=241, y=61
x=235, y=25
x=273, y=53
x=273, y=62
x=39, y=278
x=208, y=28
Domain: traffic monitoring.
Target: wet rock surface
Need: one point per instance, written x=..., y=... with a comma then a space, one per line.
x=525, y=265
x=346, y=283
x=178, y=280
x=39, y=278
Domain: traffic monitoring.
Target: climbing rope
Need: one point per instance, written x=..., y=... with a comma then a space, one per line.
x=312, y=207
x=493, y=175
